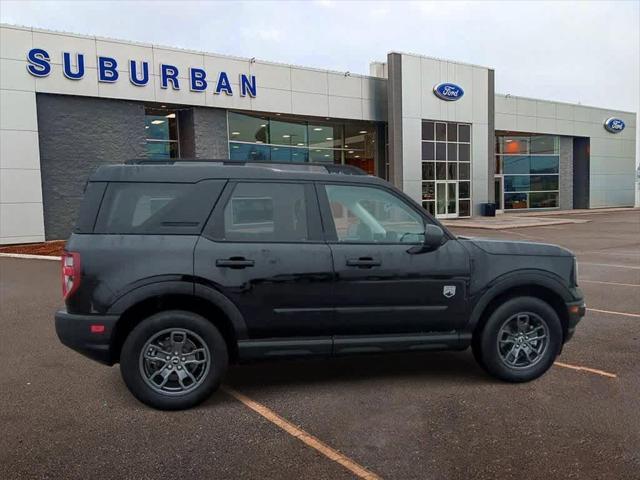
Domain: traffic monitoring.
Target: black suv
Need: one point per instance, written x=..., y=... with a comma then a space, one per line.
x=175, y=270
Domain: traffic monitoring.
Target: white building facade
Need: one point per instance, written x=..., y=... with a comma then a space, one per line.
x=434, y=128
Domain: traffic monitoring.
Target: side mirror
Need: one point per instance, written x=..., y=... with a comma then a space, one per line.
x=433, y=237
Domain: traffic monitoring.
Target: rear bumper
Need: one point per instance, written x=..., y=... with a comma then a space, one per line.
x=75, y=332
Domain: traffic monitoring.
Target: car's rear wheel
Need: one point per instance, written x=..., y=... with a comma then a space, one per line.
x=173, y=360
x=520, y=340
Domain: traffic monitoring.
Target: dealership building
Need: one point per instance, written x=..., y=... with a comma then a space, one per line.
x=435, y=128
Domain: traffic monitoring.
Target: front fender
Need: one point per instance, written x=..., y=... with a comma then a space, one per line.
x=512, y=280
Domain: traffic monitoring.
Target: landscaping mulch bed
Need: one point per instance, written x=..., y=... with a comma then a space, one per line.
x=53, y=248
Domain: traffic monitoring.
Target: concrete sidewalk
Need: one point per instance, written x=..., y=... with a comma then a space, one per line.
x=532, y=219
x=504, y=221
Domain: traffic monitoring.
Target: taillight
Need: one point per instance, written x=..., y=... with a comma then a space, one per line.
x=70, y=273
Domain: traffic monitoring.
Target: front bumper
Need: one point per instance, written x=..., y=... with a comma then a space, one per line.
x=576, y=310
x=75, y=331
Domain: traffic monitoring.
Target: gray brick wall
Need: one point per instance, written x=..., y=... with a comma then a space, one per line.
x=210, y=133
x=566, y=173
x=76, y=135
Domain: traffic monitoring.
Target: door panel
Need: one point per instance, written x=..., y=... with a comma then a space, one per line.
x=380, y=287
x=404, y=292
x=263, y=250
x=280, y=294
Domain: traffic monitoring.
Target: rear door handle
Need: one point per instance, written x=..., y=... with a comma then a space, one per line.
x=234, y=262
x=363, y=262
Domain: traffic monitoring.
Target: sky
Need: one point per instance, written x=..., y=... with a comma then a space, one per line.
x=581, y=52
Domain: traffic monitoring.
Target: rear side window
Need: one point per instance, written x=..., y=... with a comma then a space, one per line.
x=93, y=193
x=266, y=212
x=157, y=208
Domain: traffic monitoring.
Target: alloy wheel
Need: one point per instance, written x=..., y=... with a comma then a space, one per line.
x=174, y=361
x=522, y=340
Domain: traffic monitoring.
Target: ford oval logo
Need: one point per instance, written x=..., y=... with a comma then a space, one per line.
x=614, y=125
x=448, y=91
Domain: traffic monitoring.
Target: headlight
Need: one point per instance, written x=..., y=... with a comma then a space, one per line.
x=575, y=271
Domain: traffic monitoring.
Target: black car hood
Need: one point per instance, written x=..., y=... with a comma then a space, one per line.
x=507, y=247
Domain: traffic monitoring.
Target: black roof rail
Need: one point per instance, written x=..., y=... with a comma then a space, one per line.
x=310, y=167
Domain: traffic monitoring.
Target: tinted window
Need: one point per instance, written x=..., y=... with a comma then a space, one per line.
x=366, y=214
x=266, y=212
x=157, y=208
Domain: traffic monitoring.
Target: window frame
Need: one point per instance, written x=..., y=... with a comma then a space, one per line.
x=214, y=230
x=330, y=232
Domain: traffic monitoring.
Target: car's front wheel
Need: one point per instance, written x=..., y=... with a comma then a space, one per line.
x=520, y=340
x=173, y=360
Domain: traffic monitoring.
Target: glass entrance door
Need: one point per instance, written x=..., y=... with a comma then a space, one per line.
x=447, y=199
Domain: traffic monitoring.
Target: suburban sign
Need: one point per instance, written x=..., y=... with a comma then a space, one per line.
x=614, y=125
x=448, y=91
x=73, y=68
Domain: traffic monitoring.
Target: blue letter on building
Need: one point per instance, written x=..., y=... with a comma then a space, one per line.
x=39, y=65
x=223, y=84
x=198, y=82
x=247, y=85
x=107, y=69
x=66, y=66
x=133, y=73
x=169, y=72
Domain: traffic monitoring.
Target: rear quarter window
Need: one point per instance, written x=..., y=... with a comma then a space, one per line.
x=157, y=208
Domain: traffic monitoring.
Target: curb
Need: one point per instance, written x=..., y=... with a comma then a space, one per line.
x=29, y=257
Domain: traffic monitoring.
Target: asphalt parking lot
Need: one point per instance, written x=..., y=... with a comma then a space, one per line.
x=421, y=416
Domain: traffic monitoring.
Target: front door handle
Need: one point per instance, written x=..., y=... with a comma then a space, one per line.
x=363, y=262
x=234, y=262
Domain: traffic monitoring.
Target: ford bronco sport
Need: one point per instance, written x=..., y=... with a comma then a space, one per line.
x=175, y=270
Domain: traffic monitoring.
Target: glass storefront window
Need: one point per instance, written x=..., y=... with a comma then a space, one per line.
x=543, y=200
x=464, y=171
x=326, y=135
x=249, y=152
x=428, y=170
x=530, y=165
x=516, y=183
x=247, y=128
x=161, y=131
x=428, y=151
x=282, y=139
x=545, y=164
x=324, y=155
x=515, y=164
x=546, y=144
x=515, y=201
x=464, y=152
x=464, y=133
x=428, y=131
x=446, y=158
x=288, y=133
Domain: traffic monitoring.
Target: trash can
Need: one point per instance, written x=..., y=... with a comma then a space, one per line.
x=488, y=209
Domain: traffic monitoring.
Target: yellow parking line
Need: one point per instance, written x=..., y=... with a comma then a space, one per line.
x=635, y=315
x=586, y=369
x=303, y=436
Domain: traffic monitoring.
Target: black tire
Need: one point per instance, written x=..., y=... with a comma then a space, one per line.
x=136, y=368
x=498, y=357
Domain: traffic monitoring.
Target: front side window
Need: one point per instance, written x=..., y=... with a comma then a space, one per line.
x=266, y=212
x=372, y=215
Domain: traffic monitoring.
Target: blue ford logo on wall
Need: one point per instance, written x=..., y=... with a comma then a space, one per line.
x=448, y=91
x=614, y=125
